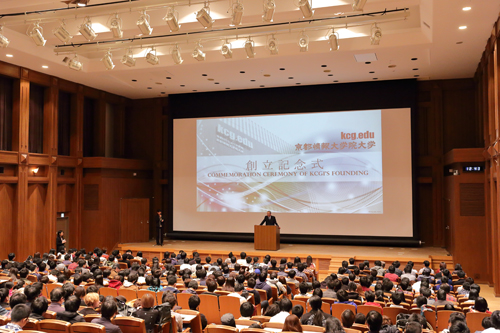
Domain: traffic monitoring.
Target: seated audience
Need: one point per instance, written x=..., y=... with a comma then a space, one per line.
x=285, y=306
x=70, y=314
x=316, y=316
x=292, y=324
x=347, y=318
x=194, y=304
x=246, y=310
x=18, y=318
x=38, y=307
x=228, y=320
x=147, y=312
x=298, y=310
x=92, y=303
x=333, y=325
x=108, y=310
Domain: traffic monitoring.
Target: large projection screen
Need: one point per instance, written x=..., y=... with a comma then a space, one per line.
x=343, y=173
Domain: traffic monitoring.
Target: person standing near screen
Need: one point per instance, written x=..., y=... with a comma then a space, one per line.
x=269, y=220
x=159, y=227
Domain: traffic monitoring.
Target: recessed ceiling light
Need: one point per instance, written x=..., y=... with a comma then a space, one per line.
x=195, y=90
x=267, y=75
x=327, y=71
x=134, y=80
x=323, y=65
x=336, y=81
x=290, y=78
x=182, y=85
x=203, y=74
x=372, y=72
x=150, y=88
x=9, y=55
x=262, y=86
x=330, y=74
x=158, y=83
x=375, y=78
x=168, y=78
x=460, y=43
x=210, y=79
x=415, y=69
x=414, y=59
x=252, y=80
x=45, y=66
x=242, y=72
x=216, y=82
x=297, y=83
x=392, y=66
x=466, y=9
x=228, y=88
x=282, y=69
x=367, y=62
x=462, y=27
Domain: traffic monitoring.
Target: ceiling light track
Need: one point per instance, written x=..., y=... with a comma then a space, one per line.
x=108, y=8
x=232, y=32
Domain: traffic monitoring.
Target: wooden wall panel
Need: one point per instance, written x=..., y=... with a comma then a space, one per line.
x=7, y=210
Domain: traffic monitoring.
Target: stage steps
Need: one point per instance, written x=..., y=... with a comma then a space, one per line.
x=336, y=263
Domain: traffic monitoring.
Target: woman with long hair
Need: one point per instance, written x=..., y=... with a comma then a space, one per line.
x=316, y=316
x=60, y=241
x=292, y=324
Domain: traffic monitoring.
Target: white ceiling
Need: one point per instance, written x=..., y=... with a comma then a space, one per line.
x=429, y=34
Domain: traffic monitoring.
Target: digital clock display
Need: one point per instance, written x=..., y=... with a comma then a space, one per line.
x=476, y=168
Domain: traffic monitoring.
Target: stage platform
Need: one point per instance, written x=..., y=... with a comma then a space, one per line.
x=327, y=257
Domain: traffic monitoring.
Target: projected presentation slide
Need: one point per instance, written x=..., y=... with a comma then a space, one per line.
x=319, y=173
x=329, y=162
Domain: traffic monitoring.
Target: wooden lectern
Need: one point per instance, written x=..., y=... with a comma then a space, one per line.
x=266, y=237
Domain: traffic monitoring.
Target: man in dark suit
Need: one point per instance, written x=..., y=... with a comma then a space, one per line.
x=159, y=227
x=269, y=220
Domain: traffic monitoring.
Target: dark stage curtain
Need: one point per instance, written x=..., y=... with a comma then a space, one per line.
x=64, y=123
x=6, y=91
x=37, y=100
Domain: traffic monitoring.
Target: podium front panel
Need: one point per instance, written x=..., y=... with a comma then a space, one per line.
x=266, y=237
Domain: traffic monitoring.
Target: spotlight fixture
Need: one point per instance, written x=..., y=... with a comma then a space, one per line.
x=115, y=26
x=82, y=3
x=272, y=45
x=75, y=64
x=143, y=24
x=305, y=7
x=303, y=42
x=176, y=55
x=237, y=14
x=128, y=58
x=376, y=34
x=87, y=31
x=35, y=170
x=249, y=48
x=203, y=16
x=358, y=5
x=152, y=58
x=4, y=41
x=226, y=50
x=107, y=61
x=269, y=7
x=62, y=34
x=198, y=54
x=36, y=33
x=333, y=40
x=172, y=19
